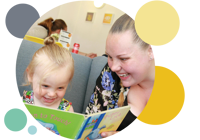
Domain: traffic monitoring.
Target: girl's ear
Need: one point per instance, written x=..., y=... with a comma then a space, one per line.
x=28, y=75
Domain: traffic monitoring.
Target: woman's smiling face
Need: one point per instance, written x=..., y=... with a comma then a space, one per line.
x=127, y=59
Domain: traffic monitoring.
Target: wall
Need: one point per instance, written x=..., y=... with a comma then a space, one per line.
x=90, y=35
x=52, y=13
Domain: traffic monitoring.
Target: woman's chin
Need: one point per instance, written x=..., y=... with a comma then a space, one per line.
x=128, y=83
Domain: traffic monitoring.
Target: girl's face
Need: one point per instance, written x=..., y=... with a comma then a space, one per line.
x=127, y=59
x=52, y=88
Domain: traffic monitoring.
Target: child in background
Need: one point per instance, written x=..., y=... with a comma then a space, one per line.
x=49, y=73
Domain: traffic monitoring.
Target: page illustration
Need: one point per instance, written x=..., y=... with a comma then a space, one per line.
x=48, y=127
x=91, y=131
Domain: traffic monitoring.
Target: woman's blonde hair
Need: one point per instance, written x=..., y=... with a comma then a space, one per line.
x=123, y=24
x=53, y=25
x=121, y=96
x=58, y=57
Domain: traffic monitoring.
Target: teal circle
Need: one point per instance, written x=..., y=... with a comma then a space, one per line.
x=15, y=119
x=32, y=130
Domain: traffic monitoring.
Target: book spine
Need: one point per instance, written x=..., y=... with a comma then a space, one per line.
x=98, y=122
x=82, y=128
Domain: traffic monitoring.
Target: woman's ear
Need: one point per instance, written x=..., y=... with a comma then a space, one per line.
x=58, y=31
x=150, y=52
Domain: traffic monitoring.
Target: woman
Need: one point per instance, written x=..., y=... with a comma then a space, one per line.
x=128, y=77
x=47, y=27
x=50, y=26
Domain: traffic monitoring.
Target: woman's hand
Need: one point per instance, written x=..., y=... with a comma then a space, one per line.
x=107, y=134
x=91, y=55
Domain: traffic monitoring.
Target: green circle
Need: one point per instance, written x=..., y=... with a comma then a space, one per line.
x=32, y=130
x=15, y=119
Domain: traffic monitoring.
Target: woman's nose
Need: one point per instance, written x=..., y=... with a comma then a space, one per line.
x=115, y=66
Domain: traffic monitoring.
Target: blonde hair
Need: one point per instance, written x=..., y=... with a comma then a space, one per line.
x=125, y=23
x=121, y=25
x=58, y=57
x=53, y=25
x=121, y=96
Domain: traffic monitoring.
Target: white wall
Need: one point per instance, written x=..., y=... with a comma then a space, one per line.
x=52, y=13
x=90, y=35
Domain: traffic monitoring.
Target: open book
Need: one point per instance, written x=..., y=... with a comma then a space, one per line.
x=78, y=126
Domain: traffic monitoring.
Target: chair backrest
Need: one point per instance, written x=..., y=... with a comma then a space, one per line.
x=97, y=65
x=38, y=40
x=25, y=53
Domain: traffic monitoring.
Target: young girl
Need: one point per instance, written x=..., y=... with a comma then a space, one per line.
x=49, y=73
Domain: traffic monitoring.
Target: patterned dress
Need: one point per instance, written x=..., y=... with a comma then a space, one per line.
x=29, y=98
x=106, y=94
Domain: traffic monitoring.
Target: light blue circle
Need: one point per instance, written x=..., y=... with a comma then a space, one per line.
x=15, y=119
x=32, y=130
x=20, y=18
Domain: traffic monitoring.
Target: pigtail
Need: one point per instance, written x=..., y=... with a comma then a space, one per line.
x=48, y=23
x=49, y=41
x=121, y=96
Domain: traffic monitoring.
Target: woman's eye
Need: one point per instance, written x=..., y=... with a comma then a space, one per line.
x=123, y=59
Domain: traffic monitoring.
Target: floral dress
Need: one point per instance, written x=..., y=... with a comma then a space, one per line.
x=29, y=98
x=106, y=92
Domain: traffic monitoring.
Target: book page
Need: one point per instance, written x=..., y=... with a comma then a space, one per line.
x=89, y=125
x=63, y=123
x=104, y=121
x=112, y=120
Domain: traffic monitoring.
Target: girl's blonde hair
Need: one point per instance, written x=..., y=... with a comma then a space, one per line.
x=123, y=24
x=53, y=25
x=58, y=57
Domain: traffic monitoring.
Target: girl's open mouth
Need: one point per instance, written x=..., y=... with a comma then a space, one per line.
x=48, y=100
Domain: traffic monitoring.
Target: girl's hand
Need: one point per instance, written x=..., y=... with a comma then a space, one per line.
x=71, y=109
x=107, y=134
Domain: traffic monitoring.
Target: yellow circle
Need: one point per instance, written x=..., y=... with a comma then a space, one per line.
x=166, y=99
x=157, y=23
